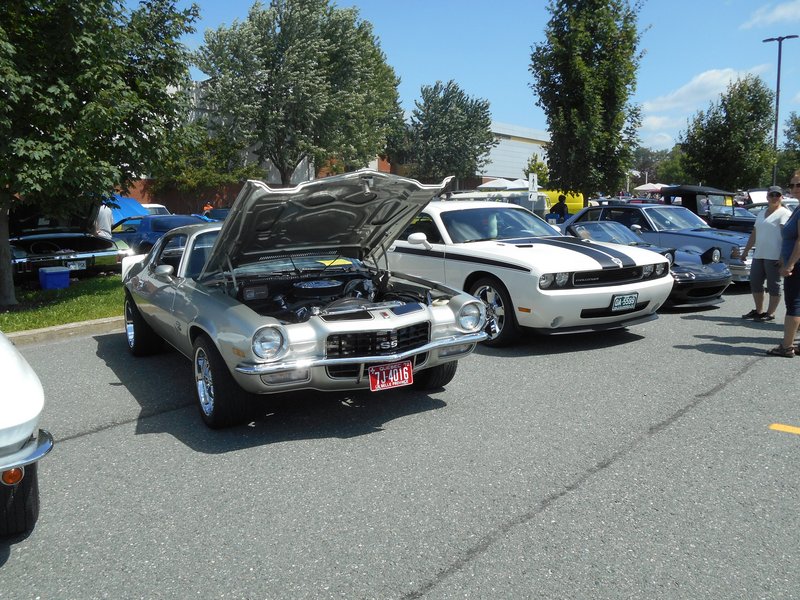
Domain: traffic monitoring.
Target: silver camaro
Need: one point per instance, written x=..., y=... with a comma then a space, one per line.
x=292, y=292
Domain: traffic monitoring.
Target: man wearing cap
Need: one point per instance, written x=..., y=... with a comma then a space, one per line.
x=766, y=238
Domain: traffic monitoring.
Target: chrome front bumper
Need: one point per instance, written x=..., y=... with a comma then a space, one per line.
x=34, y=450
x=292, y=365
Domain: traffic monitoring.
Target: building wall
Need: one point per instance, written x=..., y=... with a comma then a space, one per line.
x=511, y=155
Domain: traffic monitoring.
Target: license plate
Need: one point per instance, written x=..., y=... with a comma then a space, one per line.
x=624, y=302
x=76, y=265
x=385, y=377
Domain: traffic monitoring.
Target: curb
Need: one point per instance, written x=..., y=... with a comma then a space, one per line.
x=58, y=332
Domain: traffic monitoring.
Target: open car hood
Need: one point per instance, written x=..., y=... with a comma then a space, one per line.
x=357, y=214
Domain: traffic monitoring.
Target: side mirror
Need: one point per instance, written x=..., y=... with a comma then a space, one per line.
x=637, y=229
x=164, y=271
x=419, y=239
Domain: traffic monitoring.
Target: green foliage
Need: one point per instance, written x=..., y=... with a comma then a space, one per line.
x=646, y=162
x=539, y=167
x=300, y=79
x=789, y=154
x=730, y=145
x=450, y=133
x=585, y=74
x=670, y=170
x=86, y=101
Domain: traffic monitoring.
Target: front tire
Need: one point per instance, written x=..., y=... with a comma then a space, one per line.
x=220, y=399
x=142, y=340
x=20, y=503
x=436, y=377
x=498, y=305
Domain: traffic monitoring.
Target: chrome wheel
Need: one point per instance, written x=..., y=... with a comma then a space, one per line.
x=495, y=308
x=204, y=382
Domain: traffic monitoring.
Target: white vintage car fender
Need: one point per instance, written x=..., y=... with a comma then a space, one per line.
x=22, y=400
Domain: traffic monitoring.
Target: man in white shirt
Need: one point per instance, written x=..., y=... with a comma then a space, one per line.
x=104, y=221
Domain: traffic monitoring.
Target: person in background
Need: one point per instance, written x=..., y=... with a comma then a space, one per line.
x=790, y=255
x=207, y=206
x=104, y=221
x=561, y=208
x=766, y=238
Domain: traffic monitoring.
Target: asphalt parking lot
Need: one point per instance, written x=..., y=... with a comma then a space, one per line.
x=642, y=463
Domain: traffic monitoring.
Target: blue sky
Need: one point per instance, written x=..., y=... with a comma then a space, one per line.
x=693, y=50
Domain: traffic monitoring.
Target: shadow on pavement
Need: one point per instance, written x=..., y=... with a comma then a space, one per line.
x=163, y=386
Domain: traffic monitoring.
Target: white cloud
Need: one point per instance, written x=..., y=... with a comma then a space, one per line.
x=700, y=90
x=769, y=14
x=658, y=141
x=659, y=122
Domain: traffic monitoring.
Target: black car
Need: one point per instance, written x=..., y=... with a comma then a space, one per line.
x=696, y=283
x=715, y=207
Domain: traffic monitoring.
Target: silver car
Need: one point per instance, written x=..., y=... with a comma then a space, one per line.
x=292, y=292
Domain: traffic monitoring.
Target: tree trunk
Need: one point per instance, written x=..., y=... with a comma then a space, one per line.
x=7, y=295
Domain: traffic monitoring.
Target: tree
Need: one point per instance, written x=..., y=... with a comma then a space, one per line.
x=539, y=167
x=85, y=101
x=450, y=133
x=671, y=170
x=730, y=145
x=585, y=74
x=789, y=154
x=300, y=80
x=646, y=161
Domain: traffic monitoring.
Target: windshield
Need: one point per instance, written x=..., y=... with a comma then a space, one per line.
x=490, y=223
x=674, y=219
x=606, y=231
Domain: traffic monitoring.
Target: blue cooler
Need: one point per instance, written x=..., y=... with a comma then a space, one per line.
x=54, y=278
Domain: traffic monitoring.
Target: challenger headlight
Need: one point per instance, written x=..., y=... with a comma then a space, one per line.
x=471, y=316
x=647, y=271
x=660, y=268
x=268, y=343
x=562, y=279
x=546, y=280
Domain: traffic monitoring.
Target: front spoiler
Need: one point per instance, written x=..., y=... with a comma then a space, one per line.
x=597, y=327
x=35, y=449
x=293, y=365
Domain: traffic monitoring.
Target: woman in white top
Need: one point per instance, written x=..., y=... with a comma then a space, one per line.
x=766, y=237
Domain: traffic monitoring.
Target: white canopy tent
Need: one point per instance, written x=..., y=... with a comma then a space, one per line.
x=648, y=188
x=495, y=184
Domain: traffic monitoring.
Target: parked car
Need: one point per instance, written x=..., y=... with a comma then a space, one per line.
x=715, y=207
x=143, y=231
x=528, y=274
x=696, y=283
x=289, y=293
x=39, y=240
x=756, y=207
x=156, y=209
x=676, y=227
x=22, y=443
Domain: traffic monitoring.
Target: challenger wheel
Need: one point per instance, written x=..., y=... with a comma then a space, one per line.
x=20, y=503
x=494, y=296
x=220, y=399
x=435, y=377
x=142, y=340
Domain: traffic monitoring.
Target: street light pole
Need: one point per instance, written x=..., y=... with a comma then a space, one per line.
x=777, y=102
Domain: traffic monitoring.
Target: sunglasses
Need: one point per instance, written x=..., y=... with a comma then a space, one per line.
x=774, y=195
x=794, y=185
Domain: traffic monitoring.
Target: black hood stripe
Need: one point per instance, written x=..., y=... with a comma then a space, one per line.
x=603, y=255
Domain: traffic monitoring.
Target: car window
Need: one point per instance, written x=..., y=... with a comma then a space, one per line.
x=666, y=219
x=501, y=223
x=129, y=225
x=200, y=251
x=593, y=214
x=171, y=251
x=423, y=223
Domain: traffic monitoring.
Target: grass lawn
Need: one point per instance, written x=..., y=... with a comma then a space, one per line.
x=85, y=299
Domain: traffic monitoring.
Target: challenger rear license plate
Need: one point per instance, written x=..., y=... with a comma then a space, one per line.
x=386, y=377
x=622, y=302
x=76, y=265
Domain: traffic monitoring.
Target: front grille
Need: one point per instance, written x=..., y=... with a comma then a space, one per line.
x=377, y=343
x=607, y=277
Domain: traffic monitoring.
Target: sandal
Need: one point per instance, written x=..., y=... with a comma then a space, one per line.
x=781, y=351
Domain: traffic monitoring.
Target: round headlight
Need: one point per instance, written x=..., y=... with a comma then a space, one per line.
x=660, y=268
x=562, y=279
x=268, y=343
x=470, y=317
x=546, y=280
x=647, y=270
x=716, y=255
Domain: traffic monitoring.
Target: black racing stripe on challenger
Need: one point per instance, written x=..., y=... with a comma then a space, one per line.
x=461, y=258
x=601, y=255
